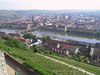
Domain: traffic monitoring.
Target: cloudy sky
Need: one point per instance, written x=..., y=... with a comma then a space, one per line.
x=49, y=4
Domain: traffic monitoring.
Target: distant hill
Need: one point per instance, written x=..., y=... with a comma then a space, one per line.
x=7, y=12
x=17, y=12
x=21, y=12
x=30, y=12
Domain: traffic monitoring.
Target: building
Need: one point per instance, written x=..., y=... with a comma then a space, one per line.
x=97, y=45
x=23, y=40
x=3, y=33
x=84, y=51
x=61, y=47
x=37, y=42
x=95, y=57
x=14, y=35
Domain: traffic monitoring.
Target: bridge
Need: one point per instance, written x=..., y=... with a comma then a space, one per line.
x=27, y=30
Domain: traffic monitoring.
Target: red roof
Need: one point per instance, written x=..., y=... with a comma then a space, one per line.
x=56, y=42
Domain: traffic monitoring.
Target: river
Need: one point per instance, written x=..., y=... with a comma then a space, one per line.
x=7, y=30
x=39, y=33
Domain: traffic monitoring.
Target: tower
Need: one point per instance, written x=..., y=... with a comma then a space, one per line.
x=32, y=20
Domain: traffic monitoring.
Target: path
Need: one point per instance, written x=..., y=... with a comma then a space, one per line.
x=82, y=70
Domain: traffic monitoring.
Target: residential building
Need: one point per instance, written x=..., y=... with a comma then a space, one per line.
x=3, y=33
x=23, y=40
x=14, y=35
x=61, y=47
x=95, y=57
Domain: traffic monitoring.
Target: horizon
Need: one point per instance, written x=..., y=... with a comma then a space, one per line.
x=49, y=10
x=49, y=5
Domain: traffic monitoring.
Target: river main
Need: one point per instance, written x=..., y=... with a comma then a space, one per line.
x=40, y=33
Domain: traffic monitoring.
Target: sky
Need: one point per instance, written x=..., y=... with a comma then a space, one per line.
x=49, y=4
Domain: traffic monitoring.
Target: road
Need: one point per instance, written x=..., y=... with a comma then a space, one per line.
x=82, y=70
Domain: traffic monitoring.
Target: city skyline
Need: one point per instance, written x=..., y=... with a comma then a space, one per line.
x=49, y=4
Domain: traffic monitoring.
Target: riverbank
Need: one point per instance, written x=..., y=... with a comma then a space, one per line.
x=59, y=35
x=89, y=33
x=65, y=36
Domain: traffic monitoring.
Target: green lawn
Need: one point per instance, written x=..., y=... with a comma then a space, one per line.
x=87, y=67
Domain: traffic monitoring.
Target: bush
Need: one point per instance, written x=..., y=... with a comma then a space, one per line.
x=14, y=42
x=29, y=36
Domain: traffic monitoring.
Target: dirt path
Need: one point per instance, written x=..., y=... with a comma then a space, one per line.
x=82, y=70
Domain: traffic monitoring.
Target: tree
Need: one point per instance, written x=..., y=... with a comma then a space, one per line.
x=12, y=42
x=45, y=38
x=29, y=36
x=6, y=37
x=35, y=49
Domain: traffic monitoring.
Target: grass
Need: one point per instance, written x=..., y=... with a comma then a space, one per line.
x=38, y=63
x=42, y=65
x=87, y=67
x=45, y=66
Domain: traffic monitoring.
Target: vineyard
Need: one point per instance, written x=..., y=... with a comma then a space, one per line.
x=43, y=65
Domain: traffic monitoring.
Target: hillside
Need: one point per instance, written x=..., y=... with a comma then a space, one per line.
x=40, y=64
x=31, y=12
